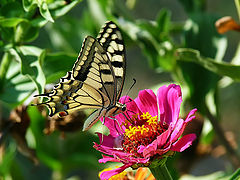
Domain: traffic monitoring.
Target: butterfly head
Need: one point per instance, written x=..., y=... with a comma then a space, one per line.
x=121, y=107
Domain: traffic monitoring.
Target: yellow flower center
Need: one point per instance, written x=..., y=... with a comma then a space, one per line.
x=143, y=130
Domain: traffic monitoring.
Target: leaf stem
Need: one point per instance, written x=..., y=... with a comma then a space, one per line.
x=234, y=157
x=161, y=172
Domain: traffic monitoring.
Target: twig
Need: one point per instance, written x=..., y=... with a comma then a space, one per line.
x=234, y=157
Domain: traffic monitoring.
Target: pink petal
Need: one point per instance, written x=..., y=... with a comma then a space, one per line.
x=111, y=151
x=150, y=150
x=183, y=143
x=107, y=140
x=177, y=131
x=113, y=126
x=107, y=158
x=147, y=102
x=107, y=174
x=132, y=107
x=169, y=101
x=180, y=126
x=141, y=148
x=190, y=115
x=162, y=139
x=163, y=151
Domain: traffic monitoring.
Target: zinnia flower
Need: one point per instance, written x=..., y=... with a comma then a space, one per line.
x=149, y=130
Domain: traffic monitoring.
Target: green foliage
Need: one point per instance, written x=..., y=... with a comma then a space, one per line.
x=62, y=155
x=221, y=68
x=19, y=24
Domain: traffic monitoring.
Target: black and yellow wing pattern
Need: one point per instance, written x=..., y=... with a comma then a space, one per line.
x=96, y=79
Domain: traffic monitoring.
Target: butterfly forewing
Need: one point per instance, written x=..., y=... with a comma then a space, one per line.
x=94, y=68
x=112, y=42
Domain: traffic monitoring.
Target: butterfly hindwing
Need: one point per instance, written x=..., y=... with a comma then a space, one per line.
x=74, y=95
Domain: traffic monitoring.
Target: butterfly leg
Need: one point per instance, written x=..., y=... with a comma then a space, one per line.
x=103, y=122
x=115, y=120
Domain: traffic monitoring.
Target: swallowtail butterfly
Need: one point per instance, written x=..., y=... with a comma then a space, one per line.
x=96, y=79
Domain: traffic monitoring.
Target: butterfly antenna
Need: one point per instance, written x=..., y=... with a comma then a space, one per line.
x=134, y=82
x=102, y=134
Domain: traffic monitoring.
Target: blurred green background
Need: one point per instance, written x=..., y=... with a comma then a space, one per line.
x=166, y=42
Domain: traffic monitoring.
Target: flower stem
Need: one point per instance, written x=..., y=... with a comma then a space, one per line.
x=161, y=172
x=234, y=156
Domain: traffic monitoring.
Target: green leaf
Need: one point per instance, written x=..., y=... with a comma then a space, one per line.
x=192, y=6
x=236, y=175
x=44, y=146
x=31, y=58
x=62, y=154
x=44, y=11
x=220, y=68
x=163, y=21
x=56, y=65
x=7, y=34
x=98, y=10
x=5, y=63
x=237, y=4
x=11, y=22
x=11, y=9
x=39, y=22
x=25, y=32
x=16, y=87
x=160, y=53
x=63, y=9
x=29, y=4
x=8, y=157
x=200, y=34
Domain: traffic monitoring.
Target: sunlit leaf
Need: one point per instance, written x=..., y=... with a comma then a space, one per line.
x=221, y=68
x=44, y=11
x=29, y=4
x=236, y=175
x=5, y=63
x=30, y=65
x=159, y=53
x=60, y=11
x=16, y=87
x=25, y=32
x=11, y=22
x=237, y=4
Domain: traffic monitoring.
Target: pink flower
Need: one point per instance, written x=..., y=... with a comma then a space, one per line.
x=150, y=128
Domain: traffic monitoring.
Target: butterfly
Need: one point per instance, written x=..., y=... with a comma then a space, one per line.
x=95, y=81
